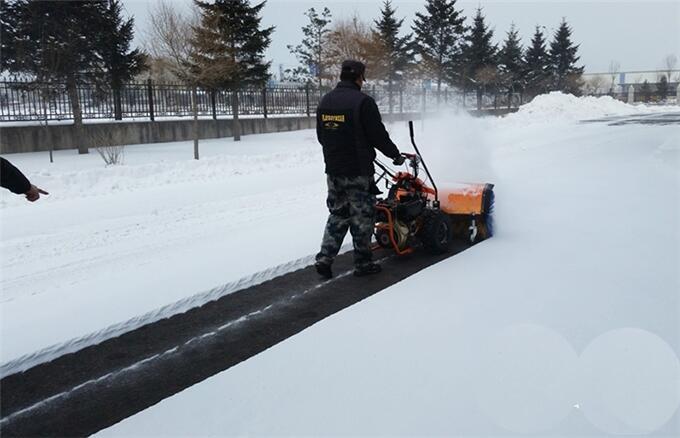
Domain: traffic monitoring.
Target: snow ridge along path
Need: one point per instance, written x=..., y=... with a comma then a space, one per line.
x=48, y=354
x=81, y=393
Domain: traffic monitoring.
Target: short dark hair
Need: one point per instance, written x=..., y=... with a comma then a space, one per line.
x=352, y=70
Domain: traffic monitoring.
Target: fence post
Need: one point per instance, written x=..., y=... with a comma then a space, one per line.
x=149, y=90
x=264, y=101
x=235, y=110
x=194, y=110
x=401, y=100
x=307, y=98
x=213, y=103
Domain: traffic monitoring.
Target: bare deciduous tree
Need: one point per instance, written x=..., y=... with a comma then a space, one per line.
x=614, y=67
x=594, y=85
x=111, y=151
x=353, y=39
x=168, y=39
x=669, y=63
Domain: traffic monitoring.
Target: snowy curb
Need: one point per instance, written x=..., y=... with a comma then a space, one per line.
x=48, y=354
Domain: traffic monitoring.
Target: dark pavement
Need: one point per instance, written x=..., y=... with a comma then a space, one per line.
x=84, y=392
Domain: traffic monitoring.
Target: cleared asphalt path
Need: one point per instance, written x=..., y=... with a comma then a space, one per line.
x=92, y=389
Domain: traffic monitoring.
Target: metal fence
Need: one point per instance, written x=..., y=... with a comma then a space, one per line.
x=31, y=101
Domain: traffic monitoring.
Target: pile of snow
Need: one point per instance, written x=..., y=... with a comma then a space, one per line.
x=567, y=107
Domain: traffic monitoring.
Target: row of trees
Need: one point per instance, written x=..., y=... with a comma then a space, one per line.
x=441, y=48
x=64, y=44
x=222, y=47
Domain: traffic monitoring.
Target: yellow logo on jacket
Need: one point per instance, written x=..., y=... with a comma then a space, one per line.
x=333, y=118
x=332, y=121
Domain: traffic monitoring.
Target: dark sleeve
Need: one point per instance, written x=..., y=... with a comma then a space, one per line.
x=11, y=178
x=375, y=130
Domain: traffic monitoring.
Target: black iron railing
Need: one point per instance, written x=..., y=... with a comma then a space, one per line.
x=33, y=101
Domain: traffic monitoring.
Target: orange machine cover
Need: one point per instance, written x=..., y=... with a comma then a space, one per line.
x=462, y=198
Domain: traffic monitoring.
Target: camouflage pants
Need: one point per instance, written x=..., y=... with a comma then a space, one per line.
x=352, y=206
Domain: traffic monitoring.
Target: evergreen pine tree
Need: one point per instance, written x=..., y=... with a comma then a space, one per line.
x=480, y=56
x=8, y=24
x=120, y=63
x=228, y=45
x=663, y=88
x=537, y=64
x=312, y=53
x=56, y=42
x=511, y=63
x=566, y=76
x=438, y=39
x=397, y=55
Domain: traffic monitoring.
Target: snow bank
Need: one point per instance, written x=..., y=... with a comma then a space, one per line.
x=567, y=107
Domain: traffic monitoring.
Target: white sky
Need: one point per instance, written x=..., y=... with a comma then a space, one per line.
x=638, y=34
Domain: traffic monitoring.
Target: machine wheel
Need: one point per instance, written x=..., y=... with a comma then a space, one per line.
x=437, y=232
x=382, y=236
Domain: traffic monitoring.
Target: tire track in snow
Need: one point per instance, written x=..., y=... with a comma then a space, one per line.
x=130, y=243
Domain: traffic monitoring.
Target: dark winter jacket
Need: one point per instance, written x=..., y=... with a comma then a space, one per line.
x=11, y=178
x=349, y=127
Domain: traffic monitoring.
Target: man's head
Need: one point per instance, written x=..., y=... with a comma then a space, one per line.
x=353, y=71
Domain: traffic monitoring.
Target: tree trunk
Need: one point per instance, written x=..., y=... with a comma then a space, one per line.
x=72, y=90
x=479, y=97
x=389, y=91
x=439, y=89
x=234, y=109
x=117, y=104
x=194, y=109
x=48, y=135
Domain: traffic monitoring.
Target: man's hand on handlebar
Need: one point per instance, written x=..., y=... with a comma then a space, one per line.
x=399, y=160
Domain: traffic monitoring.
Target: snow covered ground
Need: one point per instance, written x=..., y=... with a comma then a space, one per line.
x=566, y=322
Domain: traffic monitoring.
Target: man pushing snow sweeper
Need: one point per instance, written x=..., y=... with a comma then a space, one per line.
x=413, y=214
x=349, y=127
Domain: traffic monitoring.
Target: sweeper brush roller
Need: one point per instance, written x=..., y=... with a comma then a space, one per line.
x=470, y=207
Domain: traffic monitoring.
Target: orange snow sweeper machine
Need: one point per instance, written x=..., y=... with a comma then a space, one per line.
x=416, y=213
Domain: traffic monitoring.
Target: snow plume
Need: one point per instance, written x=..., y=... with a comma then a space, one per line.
x=455, y=147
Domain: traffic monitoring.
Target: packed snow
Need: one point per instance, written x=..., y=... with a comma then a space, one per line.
x=566, y=321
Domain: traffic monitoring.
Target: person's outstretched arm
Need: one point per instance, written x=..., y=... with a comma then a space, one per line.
x=12, y=179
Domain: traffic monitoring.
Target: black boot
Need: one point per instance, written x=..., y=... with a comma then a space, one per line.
x=368, y=269
x=324, y=270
